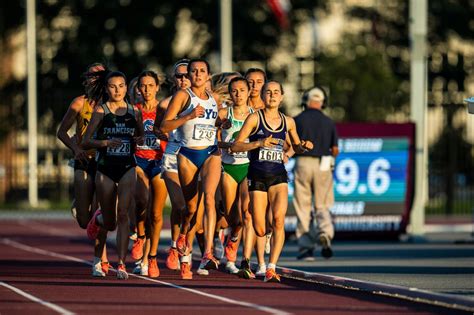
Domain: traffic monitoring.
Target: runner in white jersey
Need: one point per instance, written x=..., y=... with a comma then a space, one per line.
x=194, y=112
x=235, y=167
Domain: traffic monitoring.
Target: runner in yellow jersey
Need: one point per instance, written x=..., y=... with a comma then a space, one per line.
x=80, y=112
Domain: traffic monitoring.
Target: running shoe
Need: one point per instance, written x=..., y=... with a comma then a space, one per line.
x=144, y=270
x=268, y=238
x=271, y=276
x=137, y=270
x=122, y=272
x=182, y=245
x=202, y=272
x=186, y=273
x=92, y=227
x=245, y=271
x=261, y=270
x=325, y=242
x=218, y=248
x=231, y=249
x=133, y=236
x=208, y=262
x=105, y=267
x=153, y=270
x=172, y=261
x=137, y=248
x=97, y=270
x=231, y=268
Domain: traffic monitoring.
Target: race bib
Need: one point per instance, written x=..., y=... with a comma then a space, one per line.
x=274, y=155
x=204, y=132
x=151, y=142
x=123, y=149
x=240, y=155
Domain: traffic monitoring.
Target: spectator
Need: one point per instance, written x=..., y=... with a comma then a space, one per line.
x=313, y=177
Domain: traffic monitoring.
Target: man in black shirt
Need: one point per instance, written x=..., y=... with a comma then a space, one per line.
x=313, y=177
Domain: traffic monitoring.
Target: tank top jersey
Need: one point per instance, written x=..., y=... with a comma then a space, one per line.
x=173, y=145
x=268, y=160
x=229, y=135
x=83, y=120
x=152, y=148
x=200, y=131
x=117, y=126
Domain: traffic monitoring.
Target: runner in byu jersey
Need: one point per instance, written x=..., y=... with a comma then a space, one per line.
x=194, y=113
x=267, y=130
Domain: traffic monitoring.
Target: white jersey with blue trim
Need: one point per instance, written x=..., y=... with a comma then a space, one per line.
x=200, y=131
x=173, y=145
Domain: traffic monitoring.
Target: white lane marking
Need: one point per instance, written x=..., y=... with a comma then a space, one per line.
x=262, y=308
x=33, y=298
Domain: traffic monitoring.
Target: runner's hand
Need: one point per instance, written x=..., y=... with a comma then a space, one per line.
x=197, y=112
x=114, y=142
x=139, y=140
x=80, y=155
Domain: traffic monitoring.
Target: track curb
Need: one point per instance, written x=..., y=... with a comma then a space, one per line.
x=395, y=291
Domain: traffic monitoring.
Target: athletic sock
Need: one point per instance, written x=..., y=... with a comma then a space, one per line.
x=173, y=244
x=234, y=238
x=141, y=237
x=271, y=266
x=97, y=260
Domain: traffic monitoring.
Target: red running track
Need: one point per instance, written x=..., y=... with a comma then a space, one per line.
x=44, y=269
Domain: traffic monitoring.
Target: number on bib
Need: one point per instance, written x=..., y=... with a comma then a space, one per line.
x=204, y=132
x=274, y=155
x=123, y=149
x=150, y=143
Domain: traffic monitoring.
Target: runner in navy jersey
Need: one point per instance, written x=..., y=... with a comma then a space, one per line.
x=267, y=131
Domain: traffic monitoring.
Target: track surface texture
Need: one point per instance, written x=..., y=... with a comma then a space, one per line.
x=45, y=269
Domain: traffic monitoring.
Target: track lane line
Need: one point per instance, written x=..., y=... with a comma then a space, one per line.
x=33, y=298
x=40, y=251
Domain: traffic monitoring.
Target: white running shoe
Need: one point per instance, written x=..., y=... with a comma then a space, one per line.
x=202, y=272
x=122, y=272
x=262, y=269
x=97, y=270
x=231, y=268
x=144, y=270
x=268, y=238
x=219, y=249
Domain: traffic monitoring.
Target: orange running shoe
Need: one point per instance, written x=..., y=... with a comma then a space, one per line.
x=137, y=248
x=231, y=249
x=182, y=245
x=105, y=267
x=271, y=276
x=172, y=261
x=153, y=270
x=92, y=227
x=186, y=273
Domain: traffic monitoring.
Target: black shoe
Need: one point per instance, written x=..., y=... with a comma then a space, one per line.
x=245, y=271
x=306, y=254
x=325, y=242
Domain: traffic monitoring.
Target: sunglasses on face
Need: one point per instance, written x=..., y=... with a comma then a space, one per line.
x=180, y=75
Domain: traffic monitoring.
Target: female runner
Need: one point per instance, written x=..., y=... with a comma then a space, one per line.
x=148, y=170
x=267, y=130
x=80, y=111
x=194, y=113
x=118, y=127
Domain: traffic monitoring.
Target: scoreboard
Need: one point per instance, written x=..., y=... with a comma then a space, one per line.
x=373, y=178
